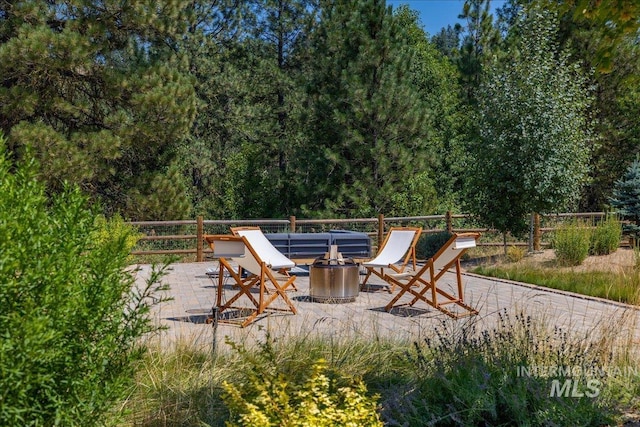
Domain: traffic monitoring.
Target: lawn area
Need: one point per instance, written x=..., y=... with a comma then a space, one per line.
x=615, y=277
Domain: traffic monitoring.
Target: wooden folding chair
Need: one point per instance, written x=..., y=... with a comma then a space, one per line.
x=239, y=250
x=423, y=284
x=267, y=252
x=398, y=248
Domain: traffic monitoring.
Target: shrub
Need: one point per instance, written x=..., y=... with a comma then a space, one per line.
x=465, y=377
x=429, y=244
x=515, y=253
x=606, y=236
x=320, y=398
x=71, y=317
x=571, y=243
x=115, y=228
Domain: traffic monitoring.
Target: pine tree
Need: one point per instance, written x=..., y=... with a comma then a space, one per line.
x=479, y=38
x=447, y=41
x=247, y=60
x=97, y=91
x=368, y=124
x=626, y=199
x=434, y=79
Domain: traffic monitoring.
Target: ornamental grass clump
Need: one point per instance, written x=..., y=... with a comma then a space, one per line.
x=606, y=236
x=515, y=253
x=571, y=243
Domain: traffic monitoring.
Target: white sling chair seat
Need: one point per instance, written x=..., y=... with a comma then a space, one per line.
x=264, y=248
x=395, y=253
x=269, y=254
x=239, y=250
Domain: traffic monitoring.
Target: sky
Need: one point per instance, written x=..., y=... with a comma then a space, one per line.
x=436, y=14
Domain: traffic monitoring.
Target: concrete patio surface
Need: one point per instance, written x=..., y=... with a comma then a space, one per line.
x=194, y=294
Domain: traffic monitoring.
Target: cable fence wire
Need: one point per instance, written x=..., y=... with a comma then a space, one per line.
x=181, y=237
x=168, y=236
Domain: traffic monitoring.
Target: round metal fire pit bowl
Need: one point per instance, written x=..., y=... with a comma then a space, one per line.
x=334, y=283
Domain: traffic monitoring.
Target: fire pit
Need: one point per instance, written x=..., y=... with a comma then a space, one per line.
x=334, y=279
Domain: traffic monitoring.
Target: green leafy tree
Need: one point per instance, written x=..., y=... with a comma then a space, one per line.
x=616, y=61
x=617, y=19
x=72, y=315
x=617, y=106
x=601, y=39
x=532, y=154
x=96, y=90
x=367, y=121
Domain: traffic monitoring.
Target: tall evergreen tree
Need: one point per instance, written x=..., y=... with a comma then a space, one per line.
x=280, y=42
x=434, y=78
x=211, y=159
x=247, y=60
x=367, y=120
x=479, y=38
x=96, y=90
x=447, y=41
x=626, y=199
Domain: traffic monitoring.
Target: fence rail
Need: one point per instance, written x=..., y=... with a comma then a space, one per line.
x=187, y=237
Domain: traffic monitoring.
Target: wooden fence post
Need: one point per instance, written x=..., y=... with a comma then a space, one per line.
x=449, y=220
x=536, y=232
x=292, y=223
x=200, y=239
x=380, y=230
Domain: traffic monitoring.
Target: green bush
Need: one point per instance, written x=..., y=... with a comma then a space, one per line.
x=606, y=236
x=115, y=228
x=571, y=243
x=467, y=377
x=71, y=317
x=429, y=244
x=319, y=398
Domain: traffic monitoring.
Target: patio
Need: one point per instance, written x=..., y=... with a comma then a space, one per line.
x=194, y=293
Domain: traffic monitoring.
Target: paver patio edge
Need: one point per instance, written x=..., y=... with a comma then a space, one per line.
x=556, y=291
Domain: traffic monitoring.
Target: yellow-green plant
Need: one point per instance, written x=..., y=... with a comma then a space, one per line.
x=571, y=243
x=114, y=228
x=321, y=400
x=515, y=254
x=606, y=236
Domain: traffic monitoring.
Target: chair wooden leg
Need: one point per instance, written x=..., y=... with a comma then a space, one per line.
x=428, y=292
x=364, y=282
x=381, y=274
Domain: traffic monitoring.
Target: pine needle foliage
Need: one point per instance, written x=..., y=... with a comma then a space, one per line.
x=367, y=121
x=92, y=89
x=626, y=198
